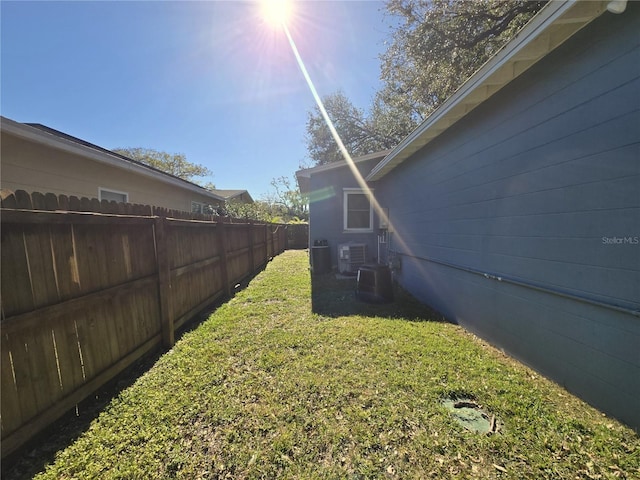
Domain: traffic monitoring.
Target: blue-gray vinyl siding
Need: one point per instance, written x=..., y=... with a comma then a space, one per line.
x=522, y=221
x=326, y=206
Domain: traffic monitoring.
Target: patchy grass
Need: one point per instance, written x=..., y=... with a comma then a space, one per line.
x=265, y=388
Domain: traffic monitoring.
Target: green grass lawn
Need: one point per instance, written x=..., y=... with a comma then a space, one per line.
x=266, y=388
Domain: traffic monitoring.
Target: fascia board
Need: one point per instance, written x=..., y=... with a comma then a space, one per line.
x=523, y=51
x=304, y=176
x=307, y=172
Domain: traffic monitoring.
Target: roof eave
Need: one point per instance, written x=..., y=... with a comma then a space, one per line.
x=304, y=175
x=342, y=163
x=546, y=31
x=231, y=196
x=34, y=134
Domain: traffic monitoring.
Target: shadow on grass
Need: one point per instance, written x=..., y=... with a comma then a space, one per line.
x=333, y=297
x=35, y=454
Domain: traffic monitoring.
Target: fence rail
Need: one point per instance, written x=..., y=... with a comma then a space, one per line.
x=84, y=294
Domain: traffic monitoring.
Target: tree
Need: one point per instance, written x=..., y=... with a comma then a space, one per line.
x=208, y=186
x=173, y=163
x=260, y=211
x=286, y=205
x=440, y=44
x=356, y=131
x=292, y=203
x=432, y=51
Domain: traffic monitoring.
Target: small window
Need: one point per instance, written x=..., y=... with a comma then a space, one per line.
x=197, y=207
x=112, y=195
x=358, y=214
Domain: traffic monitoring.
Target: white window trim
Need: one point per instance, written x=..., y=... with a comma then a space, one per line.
x=111, y=190
x=202, y=205
x=345, y=193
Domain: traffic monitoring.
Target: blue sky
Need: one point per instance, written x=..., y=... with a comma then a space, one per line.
x=208, y=79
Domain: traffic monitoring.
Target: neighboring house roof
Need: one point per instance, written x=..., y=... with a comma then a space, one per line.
x=304, y=175
x=546, y=31
x=55, y=139
x=229, y=195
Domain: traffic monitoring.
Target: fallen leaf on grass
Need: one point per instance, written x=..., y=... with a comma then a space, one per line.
x=501, y=468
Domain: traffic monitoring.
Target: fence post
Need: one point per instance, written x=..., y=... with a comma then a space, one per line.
x=164, y=282
x=252, y=260
x=266, y=243
x=222, y=248
x=281, y=231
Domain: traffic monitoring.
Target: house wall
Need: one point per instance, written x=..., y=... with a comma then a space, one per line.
x=540, y=186
x=326, y=206
x=29, y=166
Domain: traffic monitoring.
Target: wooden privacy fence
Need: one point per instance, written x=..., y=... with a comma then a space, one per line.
x=298, y=236
x=85, y=294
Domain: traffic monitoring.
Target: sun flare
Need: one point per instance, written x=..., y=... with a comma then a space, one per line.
x=276, y=12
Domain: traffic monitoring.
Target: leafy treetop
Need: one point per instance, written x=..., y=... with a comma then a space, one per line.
x=434, y=48
x=173, y=163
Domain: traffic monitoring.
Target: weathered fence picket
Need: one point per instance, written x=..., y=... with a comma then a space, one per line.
x=87, y=292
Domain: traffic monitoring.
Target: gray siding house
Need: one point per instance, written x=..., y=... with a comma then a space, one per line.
x=333, y=188
x=514, y=209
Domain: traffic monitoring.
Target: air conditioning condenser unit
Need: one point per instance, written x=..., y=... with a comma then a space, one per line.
x=351, y=256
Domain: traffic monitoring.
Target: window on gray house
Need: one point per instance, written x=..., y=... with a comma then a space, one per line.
x=358, y=214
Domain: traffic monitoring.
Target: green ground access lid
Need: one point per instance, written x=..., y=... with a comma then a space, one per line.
x=470, y=415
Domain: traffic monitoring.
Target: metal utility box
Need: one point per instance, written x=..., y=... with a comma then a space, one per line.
x=374, y=284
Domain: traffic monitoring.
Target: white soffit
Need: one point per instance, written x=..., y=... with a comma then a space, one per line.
x=549, y=29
